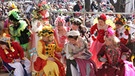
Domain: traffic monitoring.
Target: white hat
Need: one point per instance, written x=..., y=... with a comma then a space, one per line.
x=5, y=38
x=73, y=33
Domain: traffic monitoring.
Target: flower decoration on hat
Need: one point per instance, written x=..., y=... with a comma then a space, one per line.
x=102, y=17
x=58, y=20
x=43, y=5
x=120, y=21
x=41, y=11
x=76, y=21
x=46, y=31
x=12, y=5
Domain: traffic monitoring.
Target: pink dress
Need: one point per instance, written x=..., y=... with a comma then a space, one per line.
x=60, y=40
x=98, y=41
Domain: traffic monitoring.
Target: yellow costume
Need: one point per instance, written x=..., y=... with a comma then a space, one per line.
x=46, y=49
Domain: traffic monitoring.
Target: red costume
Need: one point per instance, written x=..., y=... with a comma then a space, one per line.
x=9, y=56
x=114, y=65
x=123, y=34
x=97, y=41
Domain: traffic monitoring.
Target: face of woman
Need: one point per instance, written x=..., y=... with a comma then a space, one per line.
x=74, y=27
x=72, y=41
x=118, y=26
x=48, y=38
x=101, y=22
x=60, y=26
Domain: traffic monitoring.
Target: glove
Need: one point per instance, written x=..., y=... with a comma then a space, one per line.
x=93, y=38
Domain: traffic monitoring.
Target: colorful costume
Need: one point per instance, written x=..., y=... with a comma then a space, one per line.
x=80, y=65
x=98, y=41
x=41, y=12
x=114, y=65
x=45, y=50
x=123, y=34
x=60, y=31
x=122, y=31
x=112, y=54
x=18, y=29
x=11, y=56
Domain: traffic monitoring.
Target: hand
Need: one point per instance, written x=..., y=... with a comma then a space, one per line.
x=103, y=59
x=77, y=55
x=93, y=38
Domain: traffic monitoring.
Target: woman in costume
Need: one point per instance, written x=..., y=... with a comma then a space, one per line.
x=76, y=24
x=97, y=32
x=46, y=49
x=121, y=31
x=18, y=30
x=111, y=54
x=12, y=53
x=60, y=32
x=77, y=56
x=41, y=13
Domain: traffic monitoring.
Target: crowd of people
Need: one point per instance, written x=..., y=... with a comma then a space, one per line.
x=49, y=43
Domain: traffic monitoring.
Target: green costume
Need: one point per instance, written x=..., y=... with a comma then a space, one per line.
x=18, y=30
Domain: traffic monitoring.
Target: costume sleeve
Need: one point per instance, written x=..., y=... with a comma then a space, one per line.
x=124, y=48
x=93, y=28
x=4, y=58
x=19, y=49
x=68, y=51
x=40, y=50
x=58, y=48
x=101, y=53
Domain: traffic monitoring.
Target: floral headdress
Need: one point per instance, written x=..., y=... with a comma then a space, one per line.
x=46, y=31
x=59, y=19
x=120, y=21
x=76, y=21
x=12, y=5
x=41, y=6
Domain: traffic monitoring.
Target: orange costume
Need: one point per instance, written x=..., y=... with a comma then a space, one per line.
x=46, y=49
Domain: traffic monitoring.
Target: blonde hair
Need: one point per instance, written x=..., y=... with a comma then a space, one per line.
x=115, y=40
